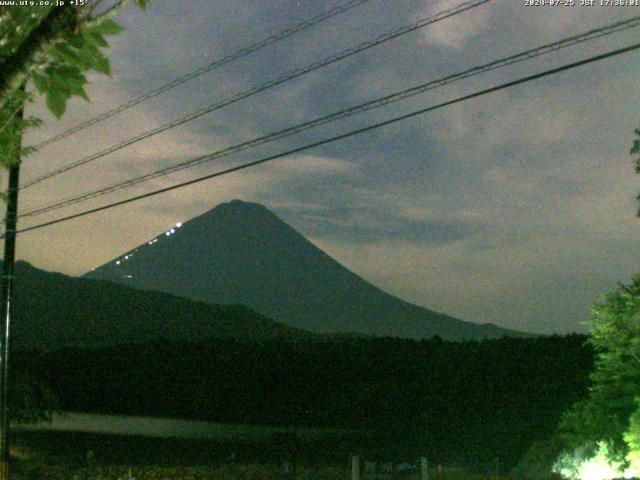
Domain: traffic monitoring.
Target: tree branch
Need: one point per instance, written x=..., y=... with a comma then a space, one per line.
x=14, y=113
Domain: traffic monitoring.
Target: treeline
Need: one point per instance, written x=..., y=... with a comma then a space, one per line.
x=470, y=403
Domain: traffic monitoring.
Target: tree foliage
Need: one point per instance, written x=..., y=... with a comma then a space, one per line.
x=457, y=403
x=11, y=128
x=62, y=75
x=51, y=48
x=632, y=437
x=30, y=398
x=636, y=150
x=611, y=412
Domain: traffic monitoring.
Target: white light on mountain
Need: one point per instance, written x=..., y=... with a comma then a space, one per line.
x=173, y=230
x=167, y=233
x=178, y=224
x=118, y=262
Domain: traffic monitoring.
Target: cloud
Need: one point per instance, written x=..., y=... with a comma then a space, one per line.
x=456, y=31
x=313, y=165
x=515, y=208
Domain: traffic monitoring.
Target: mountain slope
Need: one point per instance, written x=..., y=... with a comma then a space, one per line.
x=53, y=310
x=241, y=252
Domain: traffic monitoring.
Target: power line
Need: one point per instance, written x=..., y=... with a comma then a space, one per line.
x=373, y=104
x=385, y=37
x=243, y=52
x=339, y=137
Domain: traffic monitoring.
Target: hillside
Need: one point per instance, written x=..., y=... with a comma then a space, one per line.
x=242, y=253
x=54, y=310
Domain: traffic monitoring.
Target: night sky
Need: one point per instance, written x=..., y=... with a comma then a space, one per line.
x=517, y=208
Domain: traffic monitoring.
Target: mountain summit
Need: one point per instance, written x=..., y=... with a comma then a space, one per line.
x=242, y=253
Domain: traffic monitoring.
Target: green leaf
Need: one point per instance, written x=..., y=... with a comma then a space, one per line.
x=56, y=103
x=40, y=82
x=79, y=91
x=108, y=27
x=141, y=3
x=67, y=54
x=70, y=81
x=73, y=40
x=76, y=87
x=87, y=57
x=102, y=65
x=59, y=87
x=65, y=71
x=96, y=39
x=75, y=81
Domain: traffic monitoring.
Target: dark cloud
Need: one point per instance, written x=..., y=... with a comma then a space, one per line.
x=360, y=230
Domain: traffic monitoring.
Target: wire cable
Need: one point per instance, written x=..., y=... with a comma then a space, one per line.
x=373, y=104
x=243, y=52
x=343, y=136
x=385, y=37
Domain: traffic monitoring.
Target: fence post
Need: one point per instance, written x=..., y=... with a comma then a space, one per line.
x=355, y=467
x=424, y=469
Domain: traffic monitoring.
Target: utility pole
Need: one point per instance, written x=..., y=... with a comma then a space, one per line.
x=6, y=309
